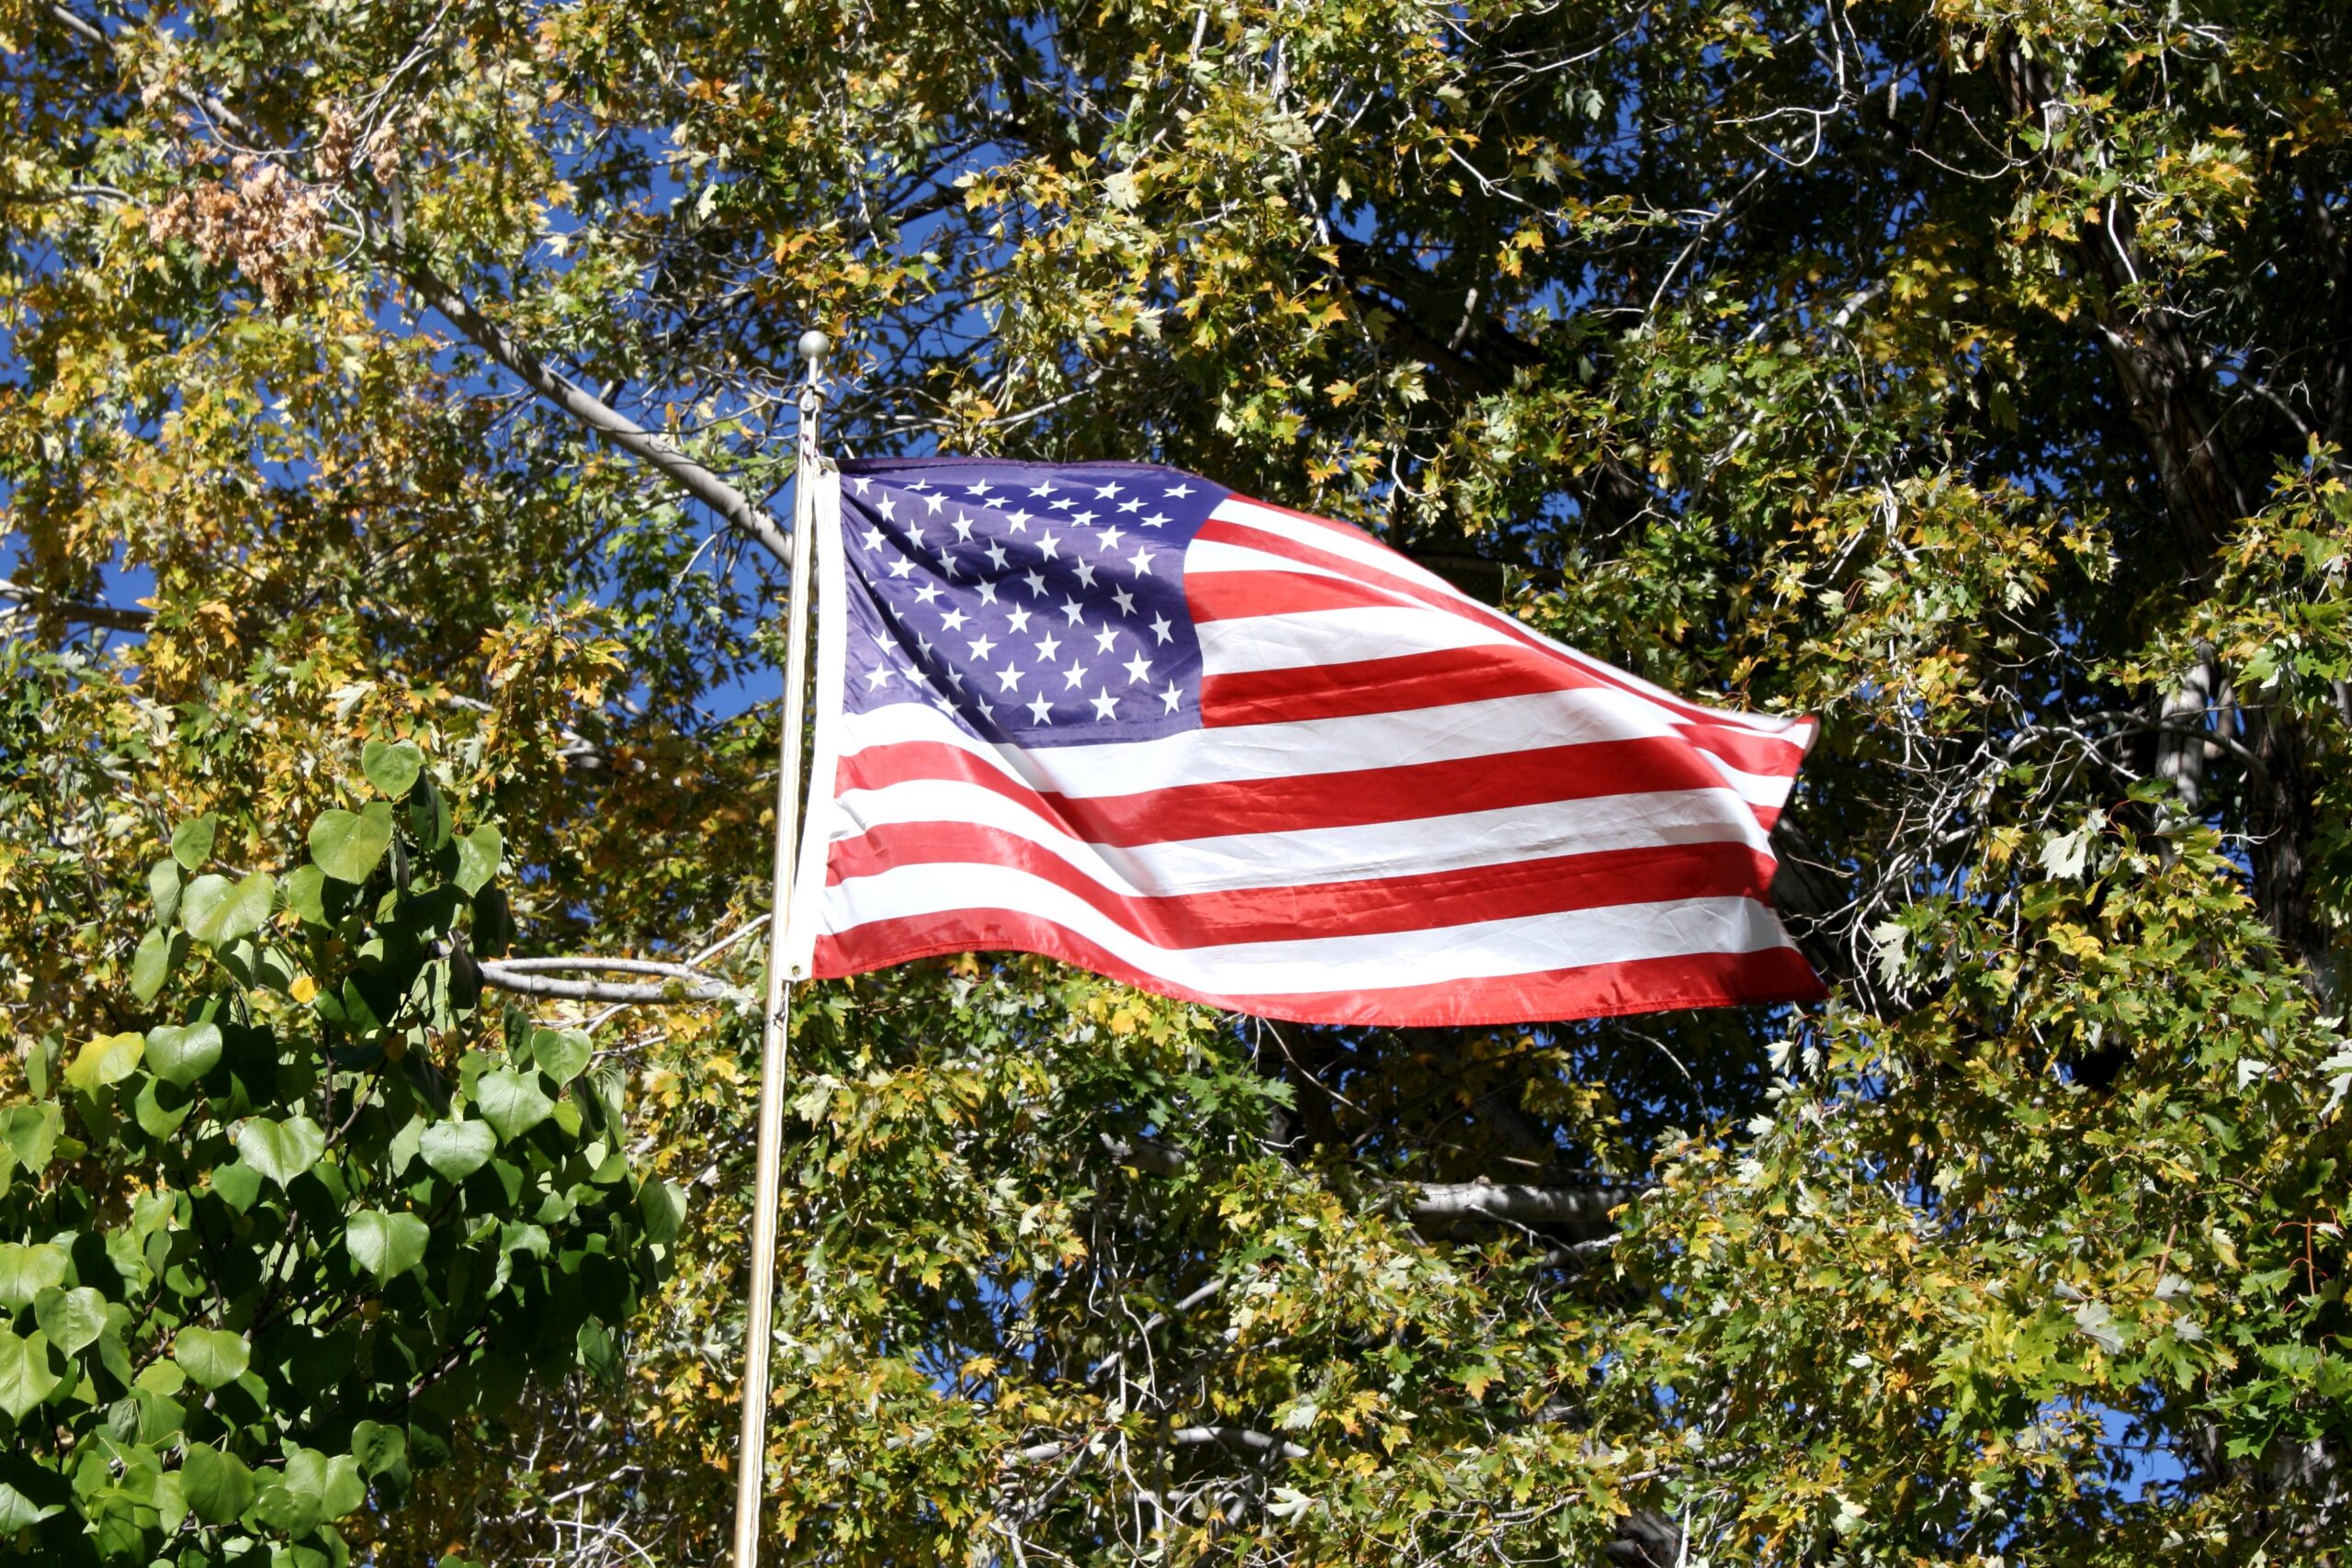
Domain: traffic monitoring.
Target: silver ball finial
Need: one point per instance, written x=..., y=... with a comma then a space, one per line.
x=815, y=345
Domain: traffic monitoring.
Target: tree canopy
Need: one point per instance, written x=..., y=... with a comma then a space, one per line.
x=395, y=406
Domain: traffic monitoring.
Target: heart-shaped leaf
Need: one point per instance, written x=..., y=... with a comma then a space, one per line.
x=281, y=1150
x=342, y=1489
x=348, y=844
x=218, y=1486
x=27, y=1272
x=479, y=854
x=72, y=1319
x=217, y=911
x=391, y=766
x=108, y=1059
x=663, y=1205
x=377, y=1448
x=238, y=1183
x=192, y=841
x=560, y=1053
x=511, y=1102
x=160, y=1108
x=456, y=1150
x=386, y=1245
x=288, y=1509
x=25, y=1377
x=183, y=1054
x=30, y=1132
x=213, y=1357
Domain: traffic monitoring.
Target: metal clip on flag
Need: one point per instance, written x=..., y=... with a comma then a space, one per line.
x=1122, y=717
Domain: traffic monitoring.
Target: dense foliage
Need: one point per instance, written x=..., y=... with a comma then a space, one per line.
x=1973, y=374
x=276, y=1239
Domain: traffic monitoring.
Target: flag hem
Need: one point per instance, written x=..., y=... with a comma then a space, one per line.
x=805, y=907
x=1371, y=1009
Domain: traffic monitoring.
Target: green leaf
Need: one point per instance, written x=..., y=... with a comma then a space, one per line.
x=479, y=854
x=346, y=845
x=183, y=1054
x=511, y=1102
x=385, y=1244
x=30, y=1132
x=560, y=1054
x=155, y=1116
x=310, y=1490
x=391, y=767
x=72, y=1319
x=214, y=1358
x=192, y=841
x=108, y=1059
x=238, y=1183
x=456, y=1150
x=342, y=1489
x=306, y=894
x=164, y=887
x=281, y=1150
x=379, y=1449
x=663, y=1205
x=493, y=923
x=217, y=1485
x=25, y=1377
x=428, y=815
x=159, y=953
x=289, y=1509
x=215, y=911
x=27, y=1272
x=19, y=1512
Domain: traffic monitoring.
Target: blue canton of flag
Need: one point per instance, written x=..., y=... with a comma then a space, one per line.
x=1030, y=603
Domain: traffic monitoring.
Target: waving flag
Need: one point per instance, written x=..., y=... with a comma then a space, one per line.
x=1122, y=717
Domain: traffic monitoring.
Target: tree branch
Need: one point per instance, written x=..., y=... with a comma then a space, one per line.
x=1434, y=1202
x=525, y=976
x=614, y=426
x=1187, y=1438
x=76, y=610
x=1235, y=1437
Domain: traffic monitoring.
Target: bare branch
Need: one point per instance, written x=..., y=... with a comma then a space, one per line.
x=1436, y=1202
x=684, y=984
x=593, y=412
x=1236, y=1438
x=106, y=616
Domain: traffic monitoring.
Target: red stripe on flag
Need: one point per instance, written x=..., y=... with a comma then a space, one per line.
x=1230, y=530
x=1597, y=991
x=1426, y=900
x=1304, y=801
x=1398, y=685
x=1236, y=595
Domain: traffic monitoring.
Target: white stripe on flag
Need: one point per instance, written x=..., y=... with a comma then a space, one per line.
x=1619, y=933
x=1310, y=856
x=1499, y=726
x=1330, y=637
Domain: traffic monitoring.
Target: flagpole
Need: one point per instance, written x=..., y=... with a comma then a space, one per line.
x=759, y=1319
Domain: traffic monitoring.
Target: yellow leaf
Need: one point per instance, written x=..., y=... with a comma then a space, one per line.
x=109, y=1059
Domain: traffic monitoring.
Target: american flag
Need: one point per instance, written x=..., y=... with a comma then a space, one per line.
x=1122, y=717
